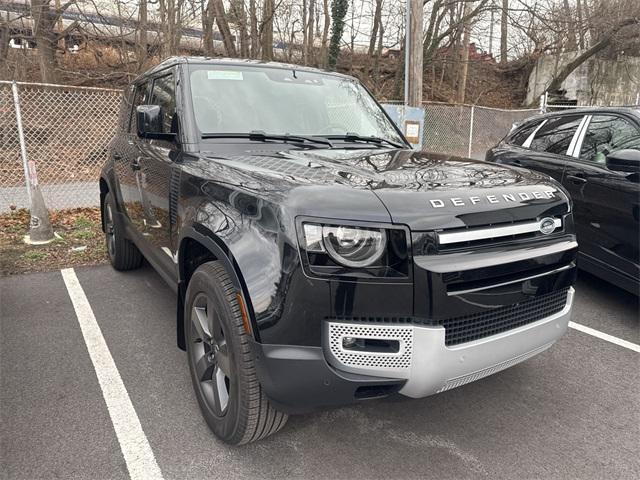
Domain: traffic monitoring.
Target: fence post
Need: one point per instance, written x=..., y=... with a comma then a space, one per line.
x=23, y=147
x=473, y=107
x=40, y=231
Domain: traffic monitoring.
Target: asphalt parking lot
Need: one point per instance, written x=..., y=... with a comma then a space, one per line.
x=571, y=412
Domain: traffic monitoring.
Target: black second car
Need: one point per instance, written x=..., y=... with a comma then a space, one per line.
x=317, y=259
x=595, y=154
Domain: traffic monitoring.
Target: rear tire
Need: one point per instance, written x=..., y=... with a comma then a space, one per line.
x=123, y=254
x=220, y=362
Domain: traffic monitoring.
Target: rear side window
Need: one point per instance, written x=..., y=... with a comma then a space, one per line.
x=555, y=135
x=606, y=134
x=164, y=95
x=521, y=134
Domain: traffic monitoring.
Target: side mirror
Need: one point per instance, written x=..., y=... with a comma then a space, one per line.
x=149, y=120
x=627, y=160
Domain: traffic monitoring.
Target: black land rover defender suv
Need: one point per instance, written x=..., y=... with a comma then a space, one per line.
x=317, y=259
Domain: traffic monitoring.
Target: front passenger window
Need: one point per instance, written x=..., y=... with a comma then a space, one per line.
x=164, y=95
x=555, y=136
x=606, y=134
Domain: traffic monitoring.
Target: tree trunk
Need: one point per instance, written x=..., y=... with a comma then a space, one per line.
x=4, y=45
x=305, y=45
x=255, y=39
x=238, y=16
x=503, y=31
x=580, y=27
x=310, y=35
x=142, y=34
x=377, y=24
x=223, y=27
x=571, y=28
x=268, y=11
x=604, y=41
x=325, y=33
x=208, y=17
x=44, y=20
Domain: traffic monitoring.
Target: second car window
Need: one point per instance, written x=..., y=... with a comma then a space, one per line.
x=606, y=134
x=555, y=135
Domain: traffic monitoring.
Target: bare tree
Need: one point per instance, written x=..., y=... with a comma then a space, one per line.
x=223, y=26
x=208, y=18
x=325, y=32
x=45, y=18
x=4, y=43
x=268, y=11
x=604, y=41
x=255, y=39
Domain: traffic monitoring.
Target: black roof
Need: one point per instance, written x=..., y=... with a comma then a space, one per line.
x=631, y=110
x=169, y=62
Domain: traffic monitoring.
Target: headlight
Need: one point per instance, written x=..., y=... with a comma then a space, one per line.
x=354, y=247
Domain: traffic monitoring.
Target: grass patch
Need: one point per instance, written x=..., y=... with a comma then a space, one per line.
x=78, y=227
x=33, y=255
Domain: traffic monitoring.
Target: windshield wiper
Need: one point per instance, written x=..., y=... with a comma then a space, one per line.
x=354, y=137
x=260, y=136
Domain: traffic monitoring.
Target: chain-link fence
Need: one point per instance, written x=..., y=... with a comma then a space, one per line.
x=67, y=129
x=467, y=130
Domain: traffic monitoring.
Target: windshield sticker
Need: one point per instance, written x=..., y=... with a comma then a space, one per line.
x=223, y=75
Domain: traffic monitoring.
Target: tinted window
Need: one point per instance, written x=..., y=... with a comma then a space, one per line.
x=555, y=135
x=606, y=134
x=164, y=95
x=239, y=99
x=521, y=134
x=140, y=98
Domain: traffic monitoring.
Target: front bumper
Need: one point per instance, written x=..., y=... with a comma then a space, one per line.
x=298, y=379
x=427, y=364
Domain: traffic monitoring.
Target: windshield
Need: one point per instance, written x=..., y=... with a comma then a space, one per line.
x=237, y=99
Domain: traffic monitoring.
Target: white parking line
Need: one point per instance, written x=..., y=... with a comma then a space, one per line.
x=605, y=336
x=135, y=447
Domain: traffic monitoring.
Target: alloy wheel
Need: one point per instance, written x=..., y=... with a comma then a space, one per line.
x=210, y=355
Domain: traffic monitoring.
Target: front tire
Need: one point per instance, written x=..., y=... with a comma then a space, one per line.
x=220, y=361
x=123, y=254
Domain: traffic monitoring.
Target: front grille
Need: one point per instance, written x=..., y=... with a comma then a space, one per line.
x=430, y=243
x=479, y=325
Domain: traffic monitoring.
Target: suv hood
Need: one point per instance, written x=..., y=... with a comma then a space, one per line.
x=420, y=189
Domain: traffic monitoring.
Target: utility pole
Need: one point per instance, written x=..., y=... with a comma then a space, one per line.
x=464, y=55
x=413, y=54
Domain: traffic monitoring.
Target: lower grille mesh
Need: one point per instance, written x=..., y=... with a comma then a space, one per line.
x=483, y=324
x=473, y=327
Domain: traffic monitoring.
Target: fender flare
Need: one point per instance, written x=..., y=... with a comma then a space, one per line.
x=219, y=250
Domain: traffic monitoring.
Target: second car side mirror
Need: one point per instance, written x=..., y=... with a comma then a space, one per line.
x=626, y=160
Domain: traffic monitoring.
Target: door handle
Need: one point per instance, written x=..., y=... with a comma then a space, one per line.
x=135, y=165
x=576, y=179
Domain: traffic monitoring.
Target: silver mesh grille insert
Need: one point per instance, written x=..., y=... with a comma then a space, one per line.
x=375, y=361
x=472, y=377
